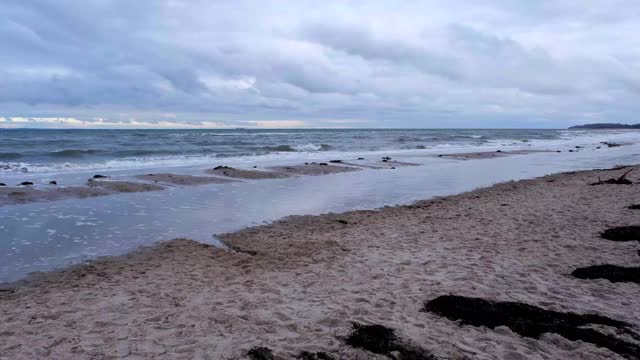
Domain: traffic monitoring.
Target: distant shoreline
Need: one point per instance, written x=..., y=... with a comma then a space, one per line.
x=605, y=126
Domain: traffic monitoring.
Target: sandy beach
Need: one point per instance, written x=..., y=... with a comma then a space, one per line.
x=298, y=284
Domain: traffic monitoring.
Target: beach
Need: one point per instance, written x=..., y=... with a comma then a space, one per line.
x=298, y=284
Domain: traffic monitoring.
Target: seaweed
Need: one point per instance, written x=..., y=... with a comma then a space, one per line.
x=380, y=339
x=612, y=273
x=532, y=321
x=260, y=353
x=320, y=355
x=622, y=233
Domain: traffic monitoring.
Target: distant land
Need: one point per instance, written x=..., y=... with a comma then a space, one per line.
x=606, y=126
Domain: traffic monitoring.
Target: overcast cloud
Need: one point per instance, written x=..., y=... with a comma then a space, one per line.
x=173, y=63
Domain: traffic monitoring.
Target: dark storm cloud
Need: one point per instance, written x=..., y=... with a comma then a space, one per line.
x=516, y=63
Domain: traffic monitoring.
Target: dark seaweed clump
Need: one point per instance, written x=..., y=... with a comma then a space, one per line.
x=532, y=321
x=260, y=353
x=320, y=355
x=612, y=273
x=622, y=233
x=380, y=339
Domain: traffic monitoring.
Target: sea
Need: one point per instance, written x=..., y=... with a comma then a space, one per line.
x=32, y=151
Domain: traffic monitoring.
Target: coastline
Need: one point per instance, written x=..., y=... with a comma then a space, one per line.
x=296, y=284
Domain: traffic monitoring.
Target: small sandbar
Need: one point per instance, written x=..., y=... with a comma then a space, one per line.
x=246, y=174
x=184, y=180
x=313, y=169
x=123, y=186
x=488, y=154
x=14, y=195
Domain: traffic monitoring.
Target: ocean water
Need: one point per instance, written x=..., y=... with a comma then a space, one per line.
x=29, y=151
x=50, y=235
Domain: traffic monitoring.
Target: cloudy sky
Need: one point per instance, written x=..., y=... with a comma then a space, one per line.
x=179, y=63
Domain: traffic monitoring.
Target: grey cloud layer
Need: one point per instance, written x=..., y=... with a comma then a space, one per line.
x=393, y=63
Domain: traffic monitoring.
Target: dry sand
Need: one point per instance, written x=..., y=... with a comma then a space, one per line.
x=309, y=276
x=246, y=174
x=313, y=169
x=183, y=180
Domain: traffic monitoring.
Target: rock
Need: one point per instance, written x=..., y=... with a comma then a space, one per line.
x=335, y=161
x=99, y=176
x=360, y=158
x=53, y=182
x=26, y=183
x=3, y=184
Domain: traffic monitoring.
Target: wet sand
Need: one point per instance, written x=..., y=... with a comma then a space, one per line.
x=246, y=174
x=182, y=180
x=13, y=195
x=313, y=169
x=488, y=154
x=297, y=284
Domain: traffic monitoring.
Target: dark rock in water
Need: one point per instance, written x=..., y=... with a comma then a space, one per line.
x=612, y=273
x=53, y=182
x=380, y=339
x=558, y=151
x=320, y=355
x=220, y=167
x=598, y=147
x=260, y=353
x=323, y=164
x=100, y=176
x=532, y=321
x=3, y=184
x=622, y=233
x=26, y=183
x=610, y=144
x=360, y=158
x=498, y=150
x=255, y=167
x=634, y=207
x=386, y=158
x=570, y=150
x=578, y=147
x=335, y=161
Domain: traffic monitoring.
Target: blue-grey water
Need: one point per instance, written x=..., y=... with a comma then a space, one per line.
x=44, y=236
x=41, y=151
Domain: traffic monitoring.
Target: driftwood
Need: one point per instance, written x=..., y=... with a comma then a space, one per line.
x=622, y=180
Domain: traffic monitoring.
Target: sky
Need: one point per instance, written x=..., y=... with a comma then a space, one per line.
x=296, y=63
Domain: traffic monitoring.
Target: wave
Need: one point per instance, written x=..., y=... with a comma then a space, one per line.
x=10, y=156
x=73, y=153
x=309, y=147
